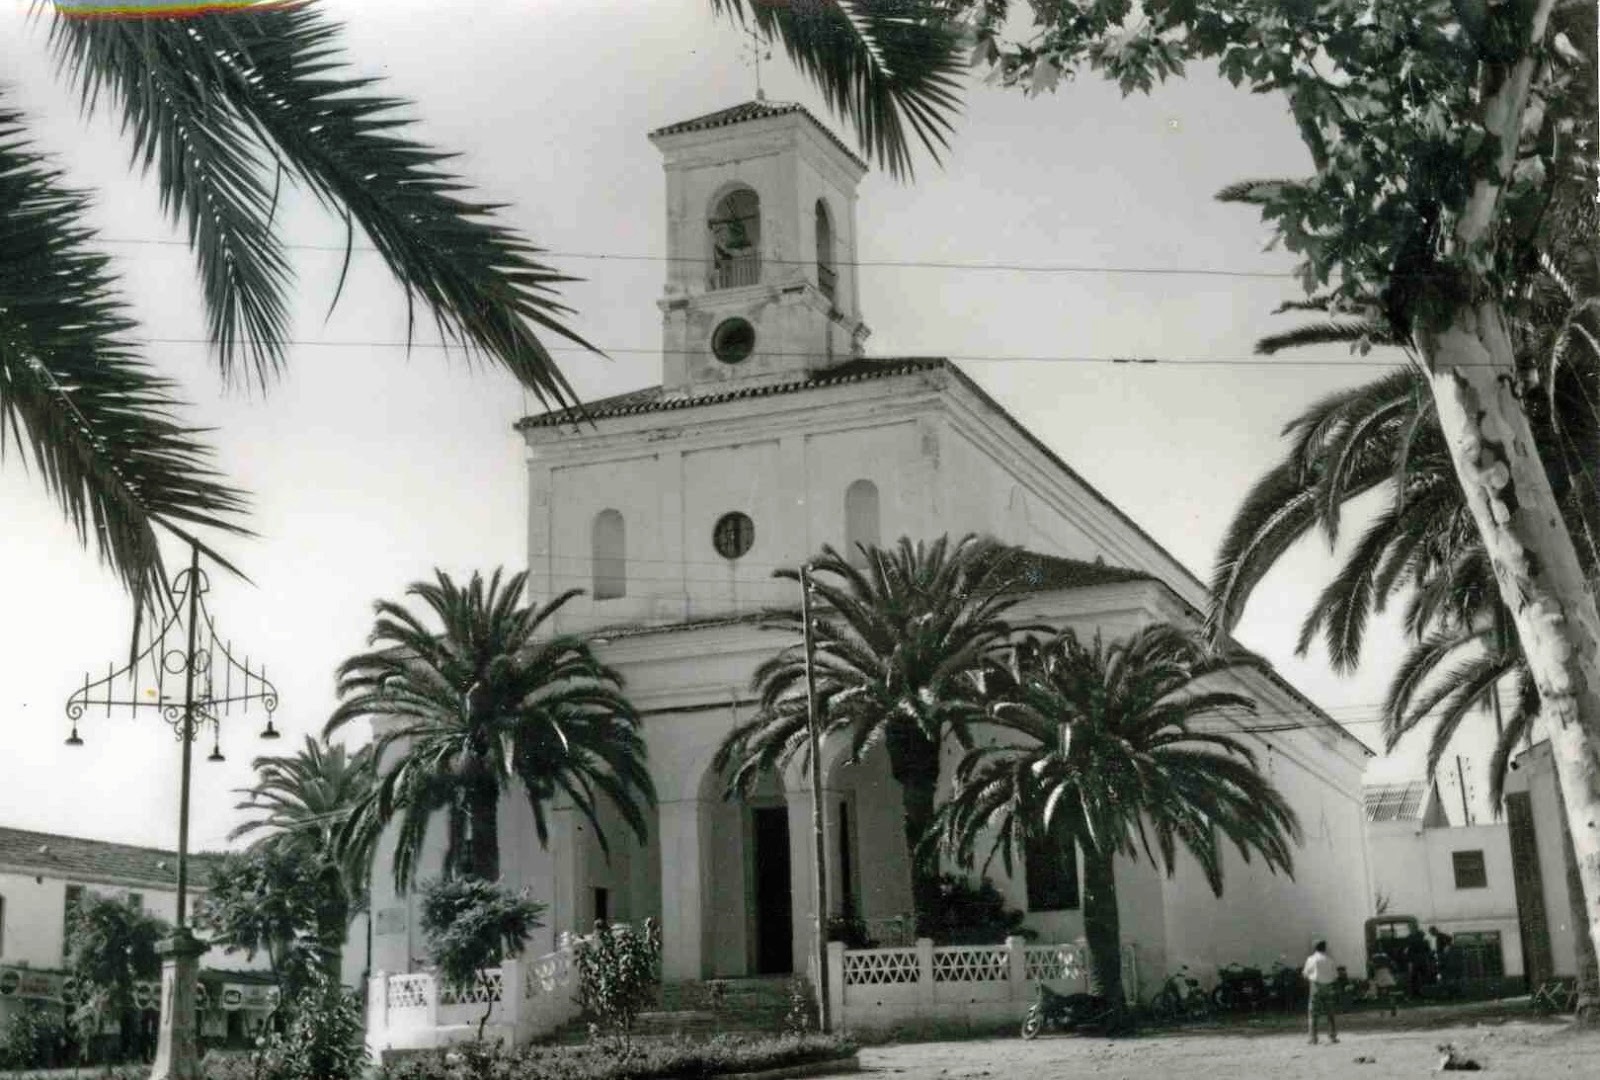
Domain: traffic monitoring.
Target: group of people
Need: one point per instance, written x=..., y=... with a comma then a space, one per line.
x=1413, y=956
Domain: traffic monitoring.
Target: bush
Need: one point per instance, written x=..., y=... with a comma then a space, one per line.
x=323, y=1039
x=34, y=1039
x=968, y=914
x=670, y=1059
x=619, y=968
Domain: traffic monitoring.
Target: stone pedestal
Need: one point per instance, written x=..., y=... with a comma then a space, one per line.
x=177, y=1055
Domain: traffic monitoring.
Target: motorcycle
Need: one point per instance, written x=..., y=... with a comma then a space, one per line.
x=1180, y=998
x=1068, y=1012
x=1239, y=988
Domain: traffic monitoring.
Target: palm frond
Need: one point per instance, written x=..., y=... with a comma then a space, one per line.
x=101, y=428
x=277, y=68
x=883, y=65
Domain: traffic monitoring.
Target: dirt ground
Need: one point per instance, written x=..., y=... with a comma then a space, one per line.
x=1506, y=1042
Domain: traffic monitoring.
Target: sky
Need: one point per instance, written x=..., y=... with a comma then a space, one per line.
x=370, y=464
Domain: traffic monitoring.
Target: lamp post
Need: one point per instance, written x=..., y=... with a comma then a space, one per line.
x=209, y=694
x=819, y=854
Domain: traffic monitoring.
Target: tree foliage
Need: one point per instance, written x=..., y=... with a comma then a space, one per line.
x=111, y=945
x=272, y=901
x=897, y=641
x=223, y=106
x=488, y=701
x=619, y=968
x=1114, y=748
x=471, y=925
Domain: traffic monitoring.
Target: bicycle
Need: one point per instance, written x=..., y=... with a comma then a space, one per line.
x=1555, y=996
x=1180, y=998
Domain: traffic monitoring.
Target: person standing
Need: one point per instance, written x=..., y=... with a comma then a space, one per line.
x=1321, y=972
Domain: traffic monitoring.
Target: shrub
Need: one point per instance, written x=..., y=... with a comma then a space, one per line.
x=619, y=968
x=34, y=1039
x=968, y=914
x=471, y=925
x=669, y=1058
x=323, y=1039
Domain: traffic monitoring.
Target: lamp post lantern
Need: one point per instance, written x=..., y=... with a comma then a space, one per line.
x=215, y=683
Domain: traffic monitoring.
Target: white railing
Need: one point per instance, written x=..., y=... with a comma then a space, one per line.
x=522, y=999
x=886, y=987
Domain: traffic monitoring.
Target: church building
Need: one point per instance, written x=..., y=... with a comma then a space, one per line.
x=772, y=433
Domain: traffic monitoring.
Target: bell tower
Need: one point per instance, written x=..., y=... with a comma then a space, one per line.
x=761, y=246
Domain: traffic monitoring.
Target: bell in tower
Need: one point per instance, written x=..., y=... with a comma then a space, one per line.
x=761, y=247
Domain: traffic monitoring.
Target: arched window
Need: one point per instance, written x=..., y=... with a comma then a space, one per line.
x=609, y=547
x=736, y=240
x=827, y=277
x=861, y=524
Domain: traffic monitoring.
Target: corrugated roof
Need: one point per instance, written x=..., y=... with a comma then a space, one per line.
x=658, y=399
x=74, y=857
x=1394, y=802
x=754, y=110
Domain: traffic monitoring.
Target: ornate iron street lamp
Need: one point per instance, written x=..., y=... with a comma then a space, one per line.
x=215, y=683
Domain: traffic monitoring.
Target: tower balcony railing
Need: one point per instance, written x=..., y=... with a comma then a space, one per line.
x=734, y=271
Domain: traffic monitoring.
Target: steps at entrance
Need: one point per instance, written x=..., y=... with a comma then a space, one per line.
x=686, y=1008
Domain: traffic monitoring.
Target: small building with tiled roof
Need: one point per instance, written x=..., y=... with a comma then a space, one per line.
x=770, y=434
x=43, y=876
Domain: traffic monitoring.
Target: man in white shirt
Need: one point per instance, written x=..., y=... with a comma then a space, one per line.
x=1321, y=972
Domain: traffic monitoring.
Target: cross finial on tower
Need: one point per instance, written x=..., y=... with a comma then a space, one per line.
x=755, y=50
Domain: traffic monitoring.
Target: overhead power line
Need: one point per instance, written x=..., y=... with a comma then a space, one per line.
x=891, y=264
x=997, y=358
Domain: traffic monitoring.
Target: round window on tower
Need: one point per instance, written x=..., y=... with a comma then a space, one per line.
x=733, y=535
x=733, y=340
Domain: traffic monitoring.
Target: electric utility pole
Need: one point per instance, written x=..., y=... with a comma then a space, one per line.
x=819, y=951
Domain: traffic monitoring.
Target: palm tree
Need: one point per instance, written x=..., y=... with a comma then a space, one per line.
x=1105, y=747
x=224, y=105
x=307, y=802
x=896, y=647
x=486, y=702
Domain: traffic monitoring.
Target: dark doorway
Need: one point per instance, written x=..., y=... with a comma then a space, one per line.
x=774, y=902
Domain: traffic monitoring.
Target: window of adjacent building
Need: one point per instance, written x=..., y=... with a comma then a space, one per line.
x=602, y=905
x=1477, y=954
x=736, y=240
x=827, y=276
x=1052, y=873
x=609, y=549
x=861, y=520
x=1470, y=871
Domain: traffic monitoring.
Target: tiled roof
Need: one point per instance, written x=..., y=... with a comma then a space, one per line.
x=1394, y=802
x=73, y=857
x=754, y=110
x=658, y=399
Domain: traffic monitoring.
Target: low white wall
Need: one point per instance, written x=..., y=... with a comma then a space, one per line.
x=523, y=998
x=885, y=988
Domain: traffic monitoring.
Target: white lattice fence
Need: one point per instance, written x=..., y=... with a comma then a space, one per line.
x=408, y=992
x=523, y=999
x=971, y=963
x=880, y=967
x=490, y=986
x=1055, y=963
x=548, y=974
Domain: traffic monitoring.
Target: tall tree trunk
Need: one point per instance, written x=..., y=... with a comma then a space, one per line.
x=914, y=763
x=1535, y=562
x=1472, y=369
x=1102, y=928
x=1588, y=991
x=333, y=925
x=483, y=840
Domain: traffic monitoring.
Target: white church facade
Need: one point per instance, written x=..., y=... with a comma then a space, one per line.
x=772, y=434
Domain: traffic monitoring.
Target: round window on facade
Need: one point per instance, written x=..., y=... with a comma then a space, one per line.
x=733, y=340
x=733, y=535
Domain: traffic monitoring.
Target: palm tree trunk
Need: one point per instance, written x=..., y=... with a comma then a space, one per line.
x=1541, y=579
x=333, y=925
x=914, y=763
x=483, y=843
x=1102, y=928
